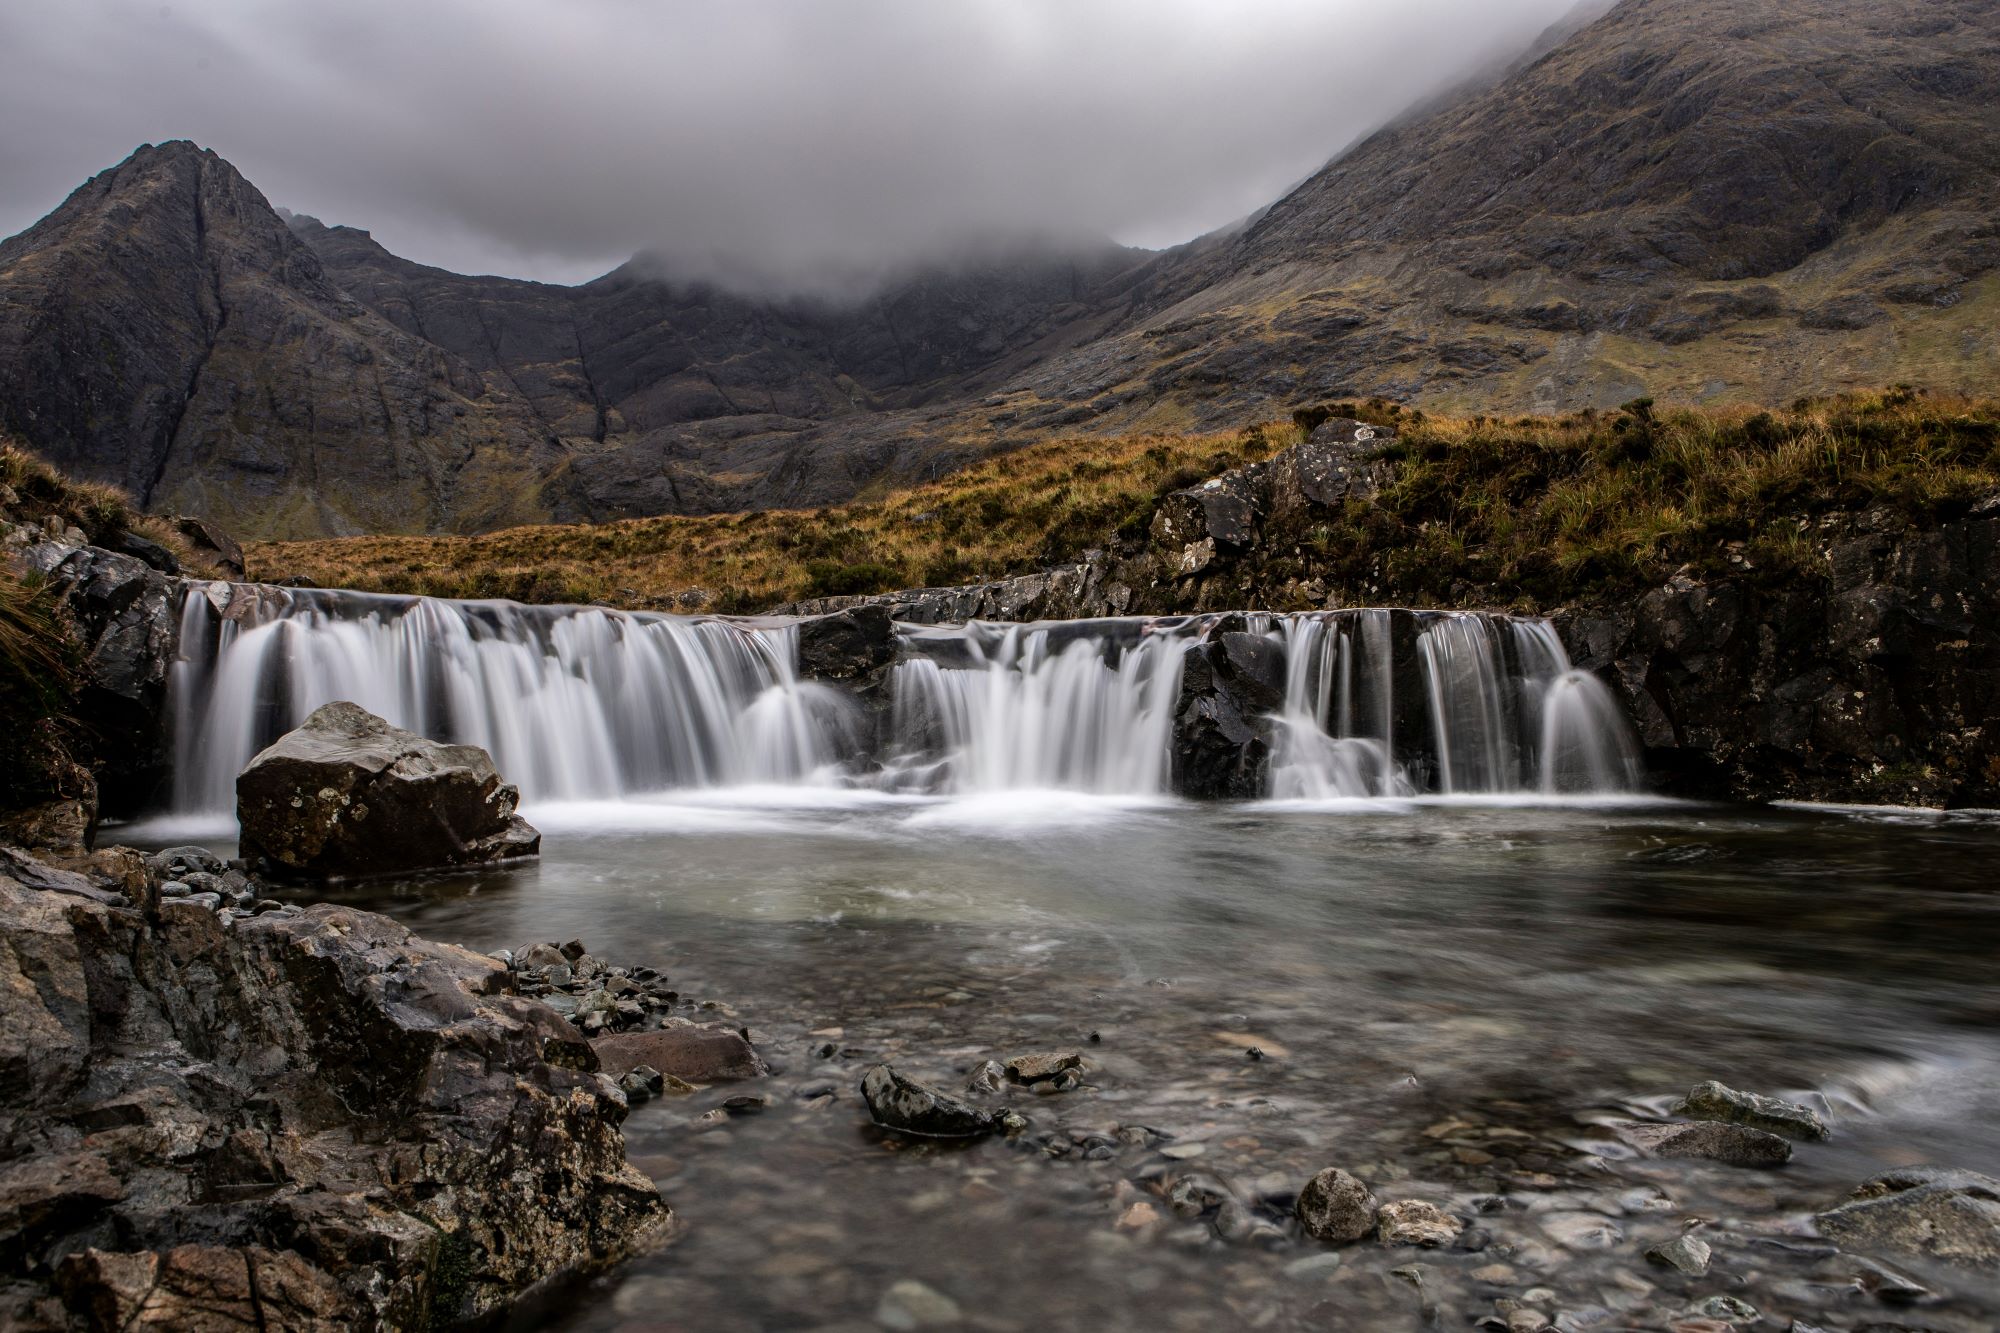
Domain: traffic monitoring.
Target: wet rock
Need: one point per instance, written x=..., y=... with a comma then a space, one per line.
x=1045, y=1067
x=123, y=615
x=1688, y=1254
x=1336, y=1208
x=988, y=1077
x=1414, y=1222
x=1231, y=686
x=1947, y=1215
x=847, y=645
x=910, y=1304
x=695, y=1054
x=424, y=1145
x=1728, y=1309
x=1314, y=1267
x=898, y=1102
x=1715, y=1101
x=1733, y=1145
x=346, y=795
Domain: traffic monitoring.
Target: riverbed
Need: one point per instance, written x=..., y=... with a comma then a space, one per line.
x=1450, y=999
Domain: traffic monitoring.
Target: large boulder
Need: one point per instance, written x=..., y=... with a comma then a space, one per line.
x=348, y=796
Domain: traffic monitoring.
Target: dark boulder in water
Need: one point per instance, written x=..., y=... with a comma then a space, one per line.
x=899, y=1102
x=348, y=796
x=1231, y=686
x=1716, y=1101
x=847, y=645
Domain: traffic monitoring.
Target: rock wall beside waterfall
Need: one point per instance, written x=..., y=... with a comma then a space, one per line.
x=1875, y=679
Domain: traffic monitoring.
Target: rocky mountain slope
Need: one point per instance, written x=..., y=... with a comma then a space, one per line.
x=1694, y=199
x=163, y=330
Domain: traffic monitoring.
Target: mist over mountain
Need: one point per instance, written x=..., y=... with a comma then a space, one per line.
x=1695, y=199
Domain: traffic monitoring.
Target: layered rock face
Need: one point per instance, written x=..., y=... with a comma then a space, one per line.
x=347, y=796
x=301, y=1119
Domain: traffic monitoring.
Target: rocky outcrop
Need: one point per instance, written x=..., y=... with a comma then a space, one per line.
x=124, y=615
x=1232, y=683
x=348, y=796
x=214, y=1118
x=849, y=645
x=1879, y=680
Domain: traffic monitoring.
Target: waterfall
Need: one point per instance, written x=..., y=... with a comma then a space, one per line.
x=572, y=702
x=585, y=703
x=1502, y=711
x=1026, y=710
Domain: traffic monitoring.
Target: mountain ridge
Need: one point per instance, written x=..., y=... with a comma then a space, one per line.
x=1688, y=199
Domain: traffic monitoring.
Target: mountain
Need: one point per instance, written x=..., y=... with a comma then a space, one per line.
x=1695, y=199
x=1699, y=200
x=165, y=331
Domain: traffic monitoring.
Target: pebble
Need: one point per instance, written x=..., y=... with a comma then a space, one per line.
x=1414, y=1222
x=910, y=1304
x=1181, y=1152
x=1314, y=1267
x=1689, y=1254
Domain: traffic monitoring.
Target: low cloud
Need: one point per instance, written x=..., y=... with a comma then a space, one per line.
x=780, y=144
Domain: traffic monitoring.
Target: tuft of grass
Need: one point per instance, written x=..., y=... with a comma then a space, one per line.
x=39, y=678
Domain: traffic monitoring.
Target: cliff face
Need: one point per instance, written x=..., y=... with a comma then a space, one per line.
x=164, y=331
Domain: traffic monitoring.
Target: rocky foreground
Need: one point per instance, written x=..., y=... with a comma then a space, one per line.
x=222, y=1112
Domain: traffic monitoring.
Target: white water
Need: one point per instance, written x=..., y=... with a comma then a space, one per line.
x=583, y=706
x=1027, y=714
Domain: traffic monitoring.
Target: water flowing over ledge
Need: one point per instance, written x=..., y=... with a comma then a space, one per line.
x=589, y=704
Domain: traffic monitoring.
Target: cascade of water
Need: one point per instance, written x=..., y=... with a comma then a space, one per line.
x=1026, y=712
x=571, y=702
x=1336, y=735
x=585, y=703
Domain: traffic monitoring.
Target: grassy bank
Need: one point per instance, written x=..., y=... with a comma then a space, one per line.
x=1008, y=514
x=1529, y=510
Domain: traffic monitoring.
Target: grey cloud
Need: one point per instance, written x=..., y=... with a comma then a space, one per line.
x=794, y=143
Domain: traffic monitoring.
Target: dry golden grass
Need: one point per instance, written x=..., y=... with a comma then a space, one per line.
x=1527, y=510
x=1008, y=514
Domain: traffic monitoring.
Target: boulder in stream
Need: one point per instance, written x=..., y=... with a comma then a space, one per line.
x=901, y=1103
x=1732, y=1145
x=1716, y=1101
x=1929, y=1211
x=348, y=796
x=1336, y=1208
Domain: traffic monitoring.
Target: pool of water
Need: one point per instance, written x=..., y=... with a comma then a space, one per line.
x=1449, y=999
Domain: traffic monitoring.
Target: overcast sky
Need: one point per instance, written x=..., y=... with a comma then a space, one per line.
x=791, y=140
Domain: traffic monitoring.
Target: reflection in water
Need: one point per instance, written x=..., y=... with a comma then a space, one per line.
x=1448, y=998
